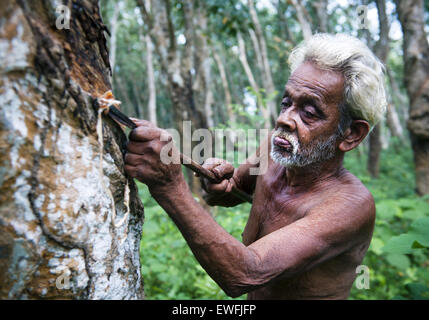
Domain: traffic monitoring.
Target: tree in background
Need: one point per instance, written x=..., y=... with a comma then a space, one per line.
x=416, y=79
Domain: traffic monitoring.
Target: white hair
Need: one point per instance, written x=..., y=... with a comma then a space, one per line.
x=364, y=93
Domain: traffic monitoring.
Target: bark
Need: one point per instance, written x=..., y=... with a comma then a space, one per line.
x=57, y=239
x=304, y=18
x=416, y=79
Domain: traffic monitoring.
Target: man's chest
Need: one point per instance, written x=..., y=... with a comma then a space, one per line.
x=274, y=208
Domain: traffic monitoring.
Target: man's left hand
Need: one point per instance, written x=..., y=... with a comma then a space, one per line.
x=143, y=160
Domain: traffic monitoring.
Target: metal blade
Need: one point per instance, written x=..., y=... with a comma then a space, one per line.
x=118, y=116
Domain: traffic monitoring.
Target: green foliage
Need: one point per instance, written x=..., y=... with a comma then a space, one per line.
x=398, y=256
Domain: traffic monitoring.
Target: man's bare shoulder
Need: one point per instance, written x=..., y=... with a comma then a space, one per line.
x=348, y=201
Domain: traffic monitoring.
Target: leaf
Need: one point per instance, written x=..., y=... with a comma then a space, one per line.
x=417, y=245
x=399, y=261
x=387, y=209
x=418, y=291
x=420, y=228
x=400, y=244
x=376, y=246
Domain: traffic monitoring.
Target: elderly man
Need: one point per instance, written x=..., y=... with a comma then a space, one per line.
x=311, y=220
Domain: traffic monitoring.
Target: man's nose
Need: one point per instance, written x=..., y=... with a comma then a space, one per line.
x=286, y=120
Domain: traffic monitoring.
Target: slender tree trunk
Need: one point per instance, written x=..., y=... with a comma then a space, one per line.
x=151, y=80
x=266, y=69
x=321, y=7
x=58, y=237
x=114, y=24
x=304, y=18
x=285, y=32
x=224, y=80
x=243, y=59
x=398, y=100
x=381, y=50
x=416, y=79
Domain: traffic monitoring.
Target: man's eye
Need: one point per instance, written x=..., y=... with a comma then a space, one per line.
x=310, y=113
x=286, y=103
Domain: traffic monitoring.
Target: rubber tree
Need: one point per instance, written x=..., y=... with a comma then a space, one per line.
x=65, y=227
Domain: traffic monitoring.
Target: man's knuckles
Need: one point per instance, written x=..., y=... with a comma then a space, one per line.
x=144, y=133
x=145, y=148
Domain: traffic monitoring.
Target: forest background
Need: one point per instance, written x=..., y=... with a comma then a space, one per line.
x=223, y=64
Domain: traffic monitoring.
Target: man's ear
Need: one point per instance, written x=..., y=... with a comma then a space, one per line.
x=354, y=135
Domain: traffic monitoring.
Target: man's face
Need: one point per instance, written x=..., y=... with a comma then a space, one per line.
x=306, y=129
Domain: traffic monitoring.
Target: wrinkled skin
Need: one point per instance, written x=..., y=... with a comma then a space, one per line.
x=309, y=227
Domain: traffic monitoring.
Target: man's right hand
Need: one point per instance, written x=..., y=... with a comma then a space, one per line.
x=224, y=171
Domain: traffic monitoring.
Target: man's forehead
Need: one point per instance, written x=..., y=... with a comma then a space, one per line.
x=308, y=79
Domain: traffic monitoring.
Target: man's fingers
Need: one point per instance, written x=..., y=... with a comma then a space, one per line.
x=136, y=147
x=131, y=170
x=142, y=123
x=133, y=159
x=211, y=163
x=143, y=134
x=224, y=170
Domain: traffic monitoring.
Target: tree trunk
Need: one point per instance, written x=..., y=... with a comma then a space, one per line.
x=321, y=7
x=267, y=77
x=57, y=239
x=114, y=24
x=243, y=59
x=304, y=18
x=224, y=80
x=416, y=79
x=381, y=50
x=151, y=80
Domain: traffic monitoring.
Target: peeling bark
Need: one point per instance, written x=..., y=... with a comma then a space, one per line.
x=57, y=239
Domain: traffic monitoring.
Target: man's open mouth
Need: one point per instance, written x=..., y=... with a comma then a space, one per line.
x=283, y=143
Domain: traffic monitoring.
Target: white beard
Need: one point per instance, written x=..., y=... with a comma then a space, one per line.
x=318, y=151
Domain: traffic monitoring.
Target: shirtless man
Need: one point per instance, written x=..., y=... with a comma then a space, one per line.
x=311, y=220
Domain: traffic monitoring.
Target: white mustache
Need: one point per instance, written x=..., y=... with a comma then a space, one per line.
x=287, y=136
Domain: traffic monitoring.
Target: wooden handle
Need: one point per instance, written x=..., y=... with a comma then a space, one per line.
x=196, y=167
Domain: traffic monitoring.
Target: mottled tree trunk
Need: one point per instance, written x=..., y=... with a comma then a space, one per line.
x=57, y=237
x=416, y=78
